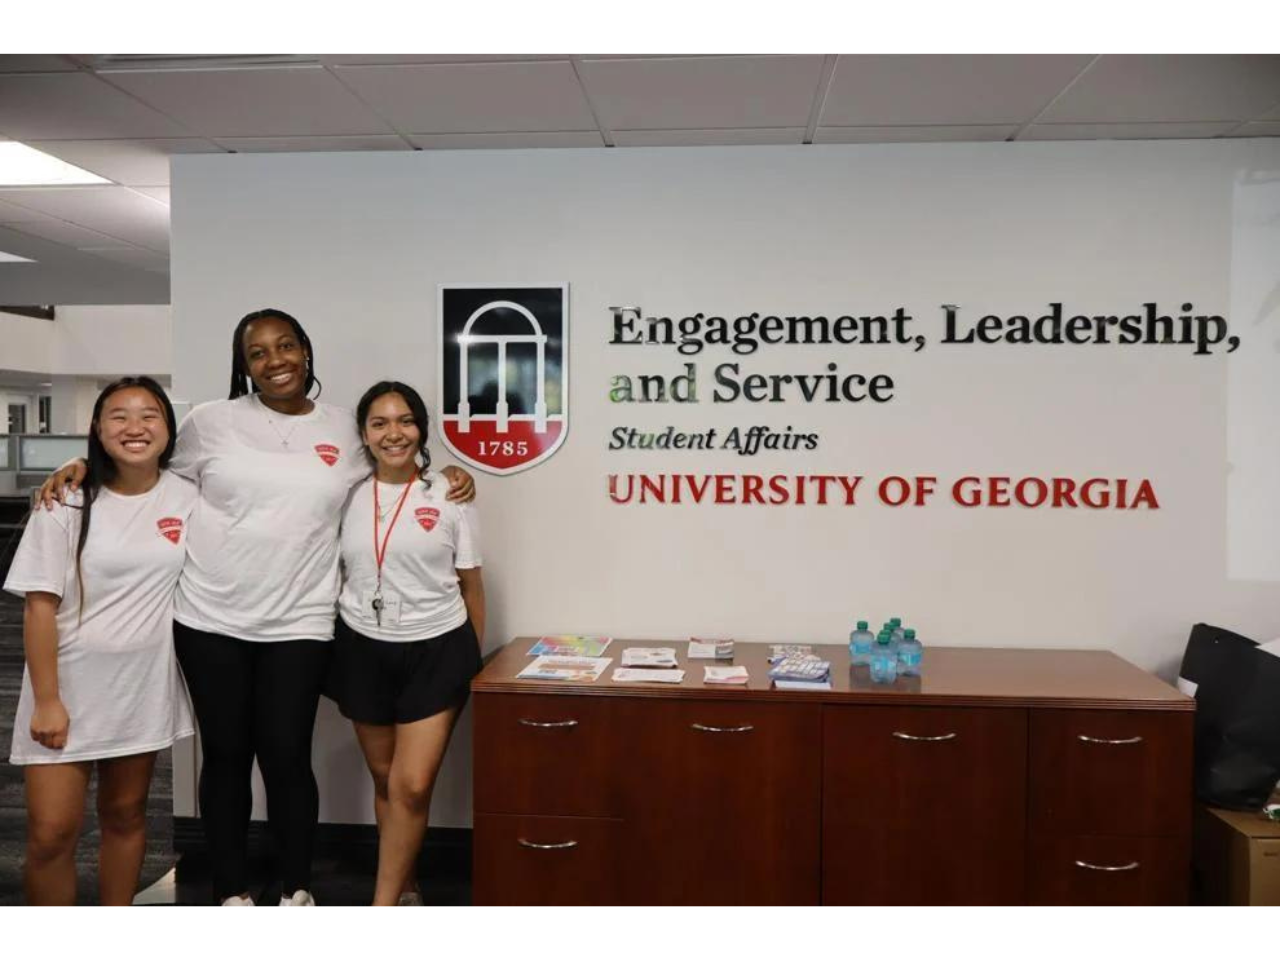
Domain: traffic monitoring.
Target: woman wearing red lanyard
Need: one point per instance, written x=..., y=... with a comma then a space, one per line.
x=410, y=623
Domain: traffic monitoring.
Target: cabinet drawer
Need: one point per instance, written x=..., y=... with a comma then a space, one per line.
x=1111, y=772
x=923, y=805
x=722, y=802
x=550, y=755
x=539, y=861
x=1108, y=871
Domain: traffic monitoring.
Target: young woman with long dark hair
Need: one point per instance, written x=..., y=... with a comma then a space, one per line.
x=101, y=686
x=255, y=605
x=410, y=623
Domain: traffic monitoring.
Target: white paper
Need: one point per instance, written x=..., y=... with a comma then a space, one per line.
x=1187, y=687
x=572, y=669
x=625, y=675
x=731, y=675
x=649, y=657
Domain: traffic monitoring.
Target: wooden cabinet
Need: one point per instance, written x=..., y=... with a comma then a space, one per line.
x=998, y=777
x=722, y=802
x=923, y=805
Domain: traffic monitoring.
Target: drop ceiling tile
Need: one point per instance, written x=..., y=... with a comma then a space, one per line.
x=1125, y=131
x=75, y=106
x=140, y=163
x=311, y=144
x=921, y=134
x=702, y=93
x=163, y=194
x=374, y=59
x=131, y=256
x=13, y=213
x=68, y=234
x=885, y=90
x=505, y=141
x=274, y=102
x=474, y=97
x=1170, y=88
x=709, y=138
x=116, y=211
x=35, y=63
x=1269, y=128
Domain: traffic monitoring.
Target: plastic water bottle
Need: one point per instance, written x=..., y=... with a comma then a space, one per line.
x=910, y=654
x=860, y=643
x=896, y=624
x=884, y=661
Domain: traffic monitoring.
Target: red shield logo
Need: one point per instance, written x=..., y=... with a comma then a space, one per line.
x=427, y=518
x=170, y=528
x=503, y=373
x=327, y=452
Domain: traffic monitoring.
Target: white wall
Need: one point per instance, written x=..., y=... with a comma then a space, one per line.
x=354, y=245
x=28, y=343
x=111, y=341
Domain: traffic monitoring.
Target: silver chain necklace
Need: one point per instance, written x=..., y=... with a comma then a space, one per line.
x=284, y=436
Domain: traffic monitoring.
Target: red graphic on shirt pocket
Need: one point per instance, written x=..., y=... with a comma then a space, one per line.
x=427, y=518
x=328, y=453
x=170, y=528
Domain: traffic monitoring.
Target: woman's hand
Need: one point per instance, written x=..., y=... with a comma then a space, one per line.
x=49, y=724
x=70, y=474
x=462, y=486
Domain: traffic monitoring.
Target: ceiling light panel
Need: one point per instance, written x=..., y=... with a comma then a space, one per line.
x=24, y=166
x=13, y=258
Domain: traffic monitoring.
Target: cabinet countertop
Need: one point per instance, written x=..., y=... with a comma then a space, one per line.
x=951, y=676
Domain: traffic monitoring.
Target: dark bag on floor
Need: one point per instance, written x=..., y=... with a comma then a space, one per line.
x=1237, y=727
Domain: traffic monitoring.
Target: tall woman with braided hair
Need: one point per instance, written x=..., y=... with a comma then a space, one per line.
x=101, y=686
x=255, y=605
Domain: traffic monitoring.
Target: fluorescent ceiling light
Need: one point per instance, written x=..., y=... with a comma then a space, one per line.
x=13, y=258
x=23, y=166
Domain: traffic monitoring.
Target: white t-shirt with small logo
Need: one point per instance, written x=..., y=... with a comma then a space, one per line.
x=432, y=539
x=262, y=556
x=117, y=674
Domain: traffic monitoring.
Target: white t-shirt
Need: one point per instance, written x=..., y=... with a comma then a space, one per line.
x=262, y=558
x=432, y=539
x=117, y=673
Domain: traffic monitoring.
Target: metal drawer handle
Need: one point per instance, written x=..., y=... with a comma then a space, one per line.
x=745, y=728
x=1082, y=737
x=546, y=846
x=906, y=736
x=548, y=725
x=1133, y=865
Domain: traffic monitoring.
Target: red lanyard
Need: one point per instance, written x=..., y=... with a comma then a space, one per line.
x=380, y=554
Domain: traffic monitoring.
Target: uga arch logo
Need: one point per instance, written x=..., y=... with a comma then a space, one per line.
x=503, y=373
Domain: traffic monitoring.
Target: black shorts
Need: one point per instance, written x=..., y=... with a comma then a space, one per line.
x=384, y=682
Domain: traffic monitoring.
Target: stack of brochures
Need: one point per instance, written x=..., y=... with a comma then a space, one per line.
x=780, y=651
x=801, y=672
x=649, y=657
x=701, y=649
x=571, y=669
x=647, y=675
x=734, y=676
x=570, y=646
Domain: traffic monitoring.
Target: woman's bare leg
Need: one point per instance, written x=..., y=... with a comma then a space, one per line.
x=123, y=784
x=419, y=748
x=55, y=814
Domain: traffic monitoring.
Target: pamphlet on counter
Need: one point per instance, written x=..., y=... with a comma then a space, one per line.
x=570, y=646
x=570, y=669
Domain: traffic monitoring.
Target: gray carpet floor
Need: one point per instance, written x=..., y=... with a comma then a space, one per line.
x=13, y=830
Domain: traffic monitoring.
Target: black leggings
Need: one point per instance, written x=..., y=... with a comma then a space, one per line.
x=255, y=699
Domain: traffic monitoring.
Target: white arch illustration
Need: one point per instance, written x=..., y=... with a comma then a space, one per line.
x=467, y=338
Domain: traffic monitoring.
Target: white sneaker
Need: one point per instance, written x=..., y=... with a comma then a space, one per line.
x=300, y=898
x=245, y=901
x=412, y=898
